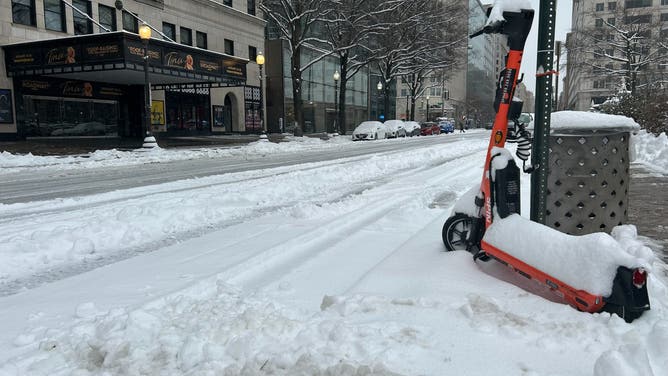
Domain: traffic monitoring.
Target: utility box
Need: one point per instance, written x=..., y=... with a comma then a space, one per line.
x=588, y=179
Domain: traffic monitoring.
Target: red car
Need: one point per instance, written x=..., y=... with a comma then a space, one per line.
x=429, y=128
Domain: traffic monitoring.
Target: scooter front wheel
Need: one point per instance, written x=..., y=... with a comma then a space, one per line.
x=462, y=233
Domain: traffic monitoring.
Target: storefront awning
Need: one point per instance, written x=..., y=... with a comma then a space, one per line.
x=117, y=58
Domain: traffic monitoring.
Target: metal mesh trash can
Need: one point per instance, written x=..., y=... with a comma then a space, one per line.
x=588, y=178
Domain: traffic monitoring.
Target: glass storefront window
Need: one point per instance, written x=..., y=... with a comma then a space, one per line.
x=64, y=117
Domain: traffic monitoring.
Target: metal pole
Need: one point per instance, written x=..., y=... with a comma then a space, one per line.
x=261, y=102
x=540, y=151
x=336, y=106
x=147, y=93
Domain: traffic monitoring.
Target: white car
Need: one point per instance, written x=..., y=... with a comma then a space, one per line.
x=370, y=130
x=396, y=128
x=412, y=128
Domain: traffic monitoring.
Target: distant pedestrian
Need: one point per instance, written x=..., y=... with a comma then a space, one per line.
x=461, y=127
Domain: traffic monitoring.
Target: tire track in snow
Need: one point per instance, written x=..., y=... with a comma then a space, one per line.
x=12, y=286
x=281, y=260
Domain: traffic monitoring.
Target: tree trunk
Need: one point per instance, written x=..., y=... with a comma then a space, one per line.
x=412, y=108
x=296, y=61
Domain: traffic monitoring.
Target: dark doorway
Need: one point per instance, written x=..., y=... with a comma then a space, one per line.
x=227, y=113
x=188, y=113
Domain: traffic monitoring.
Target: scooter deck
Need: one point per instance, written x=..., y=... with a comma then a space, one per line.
x=580, y=299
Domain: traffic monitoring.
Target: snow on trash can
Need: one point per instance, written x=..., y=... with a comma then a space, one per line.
x=588, y=177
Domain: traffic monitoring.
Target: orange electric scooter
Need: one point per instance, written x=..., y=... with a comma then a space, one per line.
x=499, y=193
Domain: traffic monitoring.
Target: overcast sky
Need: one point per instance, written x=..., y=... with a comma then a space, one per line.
x=563, y=26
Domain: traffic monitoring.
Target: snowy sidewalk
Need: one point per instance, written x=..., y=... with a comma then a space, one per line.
x=648, y=195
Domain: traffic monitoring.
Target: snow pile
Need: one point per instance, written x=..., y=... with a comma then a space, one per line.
x=405, y=318
x=587, y=262
x=15, y=163
x=650, y=150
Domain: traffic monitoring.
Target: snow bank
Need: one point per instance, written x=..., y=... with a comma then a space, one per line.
x=14, y=162
x=587, y=262
x=650, y=150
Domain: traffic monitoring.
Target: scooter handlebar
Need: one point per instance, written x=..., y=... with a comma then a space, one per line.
x=516, y=25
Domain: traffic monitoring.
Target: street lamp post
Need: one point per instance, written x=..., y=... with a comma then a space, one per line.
x=336, y=77
x=149, y=140
x=427, y=108
x=380, y=89
x=259, y=59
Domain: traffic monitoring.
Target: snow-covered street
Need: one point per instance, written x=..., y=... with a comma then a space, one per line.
x=332, y=267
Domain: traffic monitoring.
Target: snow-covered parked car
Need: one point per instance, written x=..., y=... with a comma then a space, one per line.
x=396, y=128
x=370, y=130
x=412, y=128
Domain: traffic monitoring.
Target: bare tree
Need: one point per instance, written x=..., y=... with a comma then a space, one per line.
x=625, y=43
x=424, y=37
x=297, y=21
x=349, y=33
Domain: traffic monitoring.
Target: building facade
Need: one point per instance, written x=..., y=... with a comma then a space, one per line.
x=599, y=69
x=74, y=68
x=318, y=92
x=466, y=91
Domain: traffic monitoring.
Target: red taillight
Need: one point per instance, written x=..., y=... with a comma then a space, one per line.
x=639, y=277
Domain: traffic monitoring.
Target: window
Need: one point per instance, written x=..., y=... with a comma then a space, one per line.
x=664, y=2
x=600, y=7
x=82, y=25
x=612, y=5
x=251, y=7
x=23, y=12
x=610, y=52
x=664, y=16
x=130, y=23
x=169, y=30
x=644, y=18
x=186, y=36
x=599, y=84
x=611, y=21
x=404, y=92
x=201, y=40
x=663, y=33
x=252, y=53
x=229, y=47
x=647, y=34
x=638, y=3
x=107, y=17
x=598, y=22
x=227, y=2
x=54, y=15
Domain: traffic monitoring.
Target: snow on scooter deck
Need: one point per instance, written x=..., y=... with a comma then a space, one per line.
x=580, y=269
